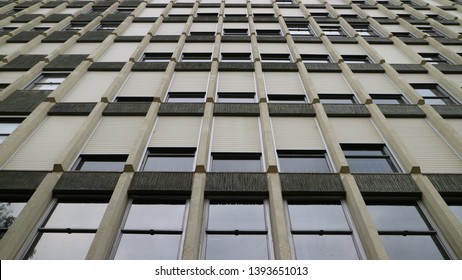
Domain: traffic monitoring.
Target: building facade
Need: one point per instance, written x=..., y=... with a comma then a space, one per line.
x=233, y=129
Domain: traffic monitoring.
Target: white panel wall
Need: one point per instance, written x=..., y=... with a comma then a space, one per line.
x=189, y=82
x=236, y=134
x=355, y=130
x=142, y=84
x=292, y=133
x=91, y=87
x=120, y=52
x=283, y=83
x=176, y=132
x=326, y=83
x=236, y=82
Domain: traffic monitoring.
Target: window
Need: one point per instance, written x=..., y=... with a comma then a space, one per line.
x=233, y=57
x=365, y=31
x=156, y=57
x=7, y=126
x=236, y=162
x=185, y=97
x=100, y=163
x=169, y=159
x=199, y=14
x=284, y=2
x=236, y=97
x=152, y=231
x=457, y=209
x=322, y=231
x=9, y=211
x=315, y=58
x=320, y=15
x=134, y=99
x=268, y=32
x=202, y=33
x=47, y=81
x=297, y=29
x=431, y=32
x=236, y=231
x=406, y=233
x=356, y=59
x=434, y=58
x=433, y=94
x=303, y=161
x=369, y=158
x=287, y=98
x=388, y=99
x=337, y=98
x=196, y=57
x=235, y=31
x=67, y=232
x=124, y=10
x=75, y=27
x=403, y=34
x=333, y=31
x=275, y=57
x=107, y=26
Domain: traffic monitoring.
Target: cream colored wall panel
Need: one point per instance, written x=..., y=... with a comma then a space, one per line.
x=456, y=124
x=337, y=2
x=236, y=11
x=236, y=82
x=91, y=87
x=262, y=11
x=417, y=78
x=395, y=28
x=7, y=48
x=346, y=11
x=283, y=83
x=170, y=29
x=9, y=77
x=349, y=49
x=273, y=48
x=82, y=48
x=120, y=52
x=291, y=133
x=311, y=48
x=46, y=144
x=151, y=12
x=161, y=47
x=259, y=25
x=236, y=134
x=204, y=27
x=326, y=83
x=114, y=135
x=68, y=11
x=291, y=12
x=355, y=130
x=189, y=82
x=44, y=48
x=426, y=146
x=260, y=1
x=236, y=48
x=176, y=132
x=180, y=11
x=376, y=83
x=198, y=47
x=138, y=29
x=422, y=48
x=242, y=25
x=456, y=78
x=142, y=84
x=392, y=54
x=208, y=11
x=376, y=13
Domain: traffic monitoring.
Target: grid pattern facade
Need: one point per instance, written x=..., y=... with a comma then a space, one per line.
x=259, y=129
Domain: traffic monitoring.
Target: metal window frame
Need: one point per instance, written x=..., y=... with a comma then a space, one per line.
x=282, y=153
x=386, y=154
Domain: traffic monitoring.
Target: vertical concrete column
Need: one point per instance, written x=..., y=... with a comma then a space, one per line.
x=205, y=138
x=267, y=137
x=23, y=81
x=115, y=86
x=63, y=89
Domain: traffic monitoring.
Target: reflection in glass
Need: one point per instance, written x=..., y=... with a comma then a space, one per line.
x=169, y=163
x=370, y=165
x=102, y=165
x=236, y=217
x=325, y=247
x=317, y=217
x=236, y=162
x=236, y=247
x=148, y=247
x=411, y=247
x=397, y=217
x=8, y=213
x=76, y=215
x=304, y=163
x=457, y=209
x=61, y=246
x=155, y=216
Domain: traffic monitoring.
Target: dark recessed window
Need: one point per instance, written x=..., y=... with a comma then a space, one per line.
x=284, y=2
x=365, y=31
x=196, y=57
x=275, y=57
x=134, y=99
x=124, y=10
x=315, y=58
x=235, y=31
x=107, y=26
x=431, y=32
x=434, y=58
x=236, y=97
x=433, y=94
x=100, y=163
x=369, y=158
x=356, y=59
x=75, y=27
x=47, y=81
x=457, y=210
x=236, y=231
x=287, y=98
x=296, y=29
x=233, y=57
x=185, y=97
x=156, y=57
x=403, y=34
x=320, y=15
x=202, y=33
x=406, y=233
x=9, y=211
x=7, y=126
x=321, y=231
x=236, y=162
x=303, y=161
x=207, y=14
x=337, y=98
x=152, y=231
x=263, y=15
x=388, y=99
x=169, y=159
x=268, y=32
x=333, y=31
x=68, y=232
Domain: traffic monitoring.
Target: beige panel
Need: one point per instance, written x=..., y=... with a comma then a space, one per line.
x=208, y=10
x=82, y=48
x=337, y=2
x=326, y=83
x=138, y=29
x=395, y=28
x=119, y=52
x=267, y=26
x=180, y=11
x=297, y=133
x=46, y=144
x=189, y=82
x=376, y=83
x=236, y=82
x=311, y=49
x=142, y=84
x=355, y=130
x=114, y=135
x=91, y=87
x=417, y=78
x=44, y=48
x=236, y=134
x=243, y=25
x=349, y=49
x=7, y=48
x=151, y=12
x=456, y=78
x=203, y=27
x=376, y=13
x=161, y=47
x=273, y=48
x=9, y=77
x=236, y=11
x=170, y=29
x=291, y=13
x=422, y=48
x=392, y=54
x=262, y=11
x=198, y=47
x=260, y=1
x=176, y=132
x=235, y=48
x=428, y=148
x=346, y=11
x=456, y=124
x=283, y=83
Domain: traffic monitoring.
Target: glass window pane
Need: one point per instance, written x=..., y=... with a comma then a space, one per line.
x=457, y=209
x=236, y=247
x=102, y=166
x=236, y=217
x=7, y=128
x=8, y=212
x=61, y=246
x=435, y=101
x=76, y=215
x=148, y=247
x=397, y=217
x=236, y=165
x=411, y=247
x=370, y=165
x=317, y=217
x=155, y=216
x=169, y=163
x=325, y=247
x=303, y=164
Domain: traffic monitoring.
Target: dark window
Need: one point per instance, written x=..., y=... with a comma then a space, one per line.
x=388, y=99
x=75, y=27
x=303, y=161
x=236, y=231
x=356, y=59
x=7, y=126
x=433, y=94
x=431, y=32
x=297, y=29
x=457, y=210
x=261, y=15
x=369, y=158
x=236, y=162
x=134, y=99
x=202, y=33
x=185, y=97
x=284, y=2
x=365, y=31
x=434, y=58
x=320, y=15
x=207, y=14
x=406, y=233
x=107, y=26
x=268, y=32
x=68, y=232
x=236, y=97
x=152, y=231
x=156, y=57
x=124, y=10
x=287, y=98
x=235, y=31
x=337, y=98
x=9, y=211
x=333, y=31
x=403, y=34
x=235, y=57
x=315, y=58
x=47, y=81
x=321, y=231
x=169, y=159
x=275, y=57
x=196, y=57
x=100, y=163
x=350, y=16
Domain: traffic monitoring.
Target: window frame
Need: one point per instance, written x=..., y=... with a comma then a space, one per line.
x=434, y=58
x=316, y=58
x=321, y=154
x=439, y=93
x=333, y=30
x=196, y=97
x=235, y=57
x=386, y=155
x=347, y=97
x=83, y=158
x=287, y=98
x=41, y=80
x=236, y=156
x=21, y=199
x=244, y=96
x=9, y=120
x=156, y=57
x=357, y=59
x=397, y=97
x=170, y=152
x=196, y=57
x=276, y=57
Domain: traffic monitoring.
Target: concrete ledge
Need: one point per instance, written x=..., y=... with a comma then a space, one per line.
x=181, y=109
x=409, y=68
x=346, y=110
x=127, y=109
x=236, y=183
x=366, y=68
x=236, y=66
x=23, y=102
x=447, y=184
x=87, y=182
x=161, y=183
x=311, y=184
x=386, y=184
x=229, y=109
x=296, y=110
x=322, y=67
x=23, y=62
x=94, y=37
x=59, y=37
x=449, y=111
x=65, y=62
x=15, y=182
x=150, y=66
x=71, y=109
x=401, y=111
